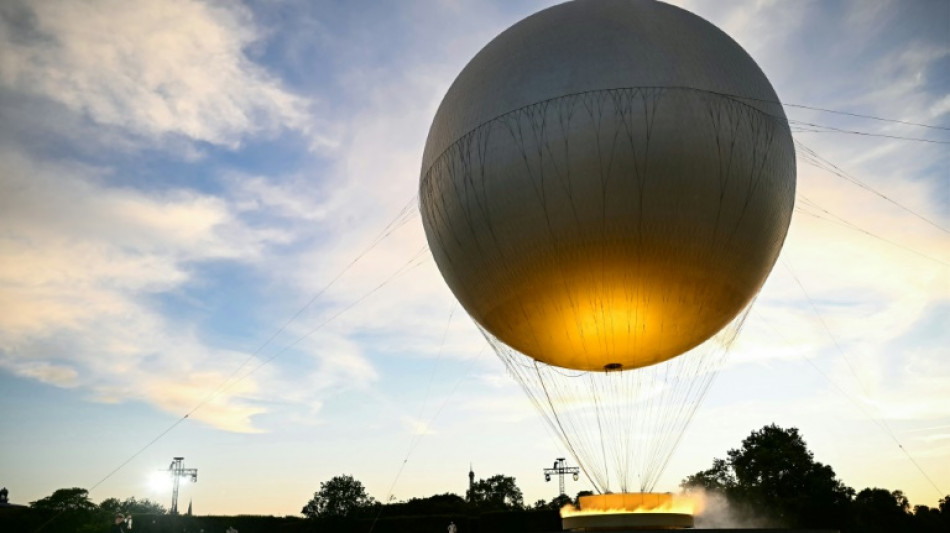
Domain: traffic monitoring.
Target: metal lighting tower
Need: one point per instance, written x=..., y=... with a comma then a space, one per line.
x=177, y=470
x=560, y=468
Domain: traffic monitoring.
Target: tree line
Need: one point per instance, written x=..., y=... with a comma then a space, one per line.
x=771, y=480
x=774, y=479
x=70, y=509
x=343, y=496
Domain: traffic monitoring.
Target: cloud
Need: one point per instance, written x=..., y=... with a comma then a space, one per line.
x=855, y=299
x=67, y=233
x=154, y=68
x=92, y=256
x=59, y=375
x=293, y=199
x=858, y=273
x=941, y=107
x=417, y=427
x=81, y=263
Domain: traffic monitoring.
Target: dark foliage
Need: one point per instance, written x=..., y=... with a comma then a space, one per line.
x=131, y=506
x=74, y=499
x=519, y=521
x=933, y=520
x=719, y=478
x=340, y=497
x=497, y=493
x=881, y=510
x=439, y=504
x=775, y=470
x=773, y=474
x=554, y=505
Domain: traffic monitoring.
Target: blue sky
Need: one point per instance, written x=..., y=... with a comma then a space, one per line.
x=179, y=178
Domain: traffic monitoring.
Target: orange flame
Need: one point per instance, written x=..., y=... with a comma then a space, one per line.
x=639, y=502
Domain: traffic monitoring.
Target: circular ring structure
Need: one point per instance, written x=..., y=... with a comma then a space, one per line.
x=624, y=521
x=629, y=510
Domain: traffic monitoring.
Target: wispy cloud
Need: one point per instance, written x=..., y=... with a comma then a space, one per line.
x=107, y=259
x=152, y=68
x=81, y=262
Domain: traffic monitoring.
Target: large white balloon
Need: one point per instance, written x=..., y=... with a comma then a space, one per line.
x=608, y=183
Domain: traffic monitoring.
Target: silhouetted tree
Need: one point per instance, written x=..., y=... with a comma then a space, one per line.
x=878, y=510
x=933, y=519
x=554, y=505
x=68, y=510
x=774, y=473
x=719, y=478
x=437, y=504
x=495, y=494
x=338, y=497
x=74, y=499
x=131, y=506
x=775, y=470
x=560, y=501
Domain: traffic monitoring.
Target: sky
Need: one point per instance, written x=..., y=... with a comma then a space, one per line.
x=208, y=209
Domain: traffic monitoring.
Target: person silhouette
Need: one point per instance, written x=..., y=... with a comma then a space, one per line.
x=452, y=528
x=119, y=525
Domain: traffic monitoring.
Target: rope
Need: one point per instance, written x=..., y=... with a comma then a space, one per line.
x=405, y=214
x=878, y=420
x=812, y=157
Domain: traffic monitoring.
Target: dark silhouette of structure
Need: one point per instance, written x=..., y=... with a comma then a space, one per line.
x=177, y=470
x=559, y=469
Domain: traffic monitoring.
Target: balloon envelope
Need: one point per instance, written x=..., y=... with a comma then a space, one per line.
x=607, y=184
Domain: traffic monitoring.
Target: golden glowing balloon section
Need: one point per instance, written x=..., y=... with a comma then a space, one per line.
x=576, y=313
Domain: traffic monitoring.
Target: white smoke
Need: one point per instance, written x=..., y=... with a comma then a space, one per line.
x=715, y=511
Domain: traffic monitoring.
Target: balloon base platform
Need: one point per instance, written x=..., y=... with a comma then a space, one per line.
x=644, y=512
x=627, y=522
x=628, y=511
x=704, y=530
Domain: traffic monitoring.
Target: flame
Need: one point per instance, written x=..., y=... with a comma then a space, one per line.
x=641, y=502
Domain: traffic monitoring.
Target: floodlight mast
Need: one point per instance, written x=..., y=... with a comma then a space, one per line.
x=177, y=470
x=559, y=469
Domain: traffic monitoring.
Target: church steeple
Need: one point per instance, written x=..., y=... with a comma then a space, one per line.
x=471, y=482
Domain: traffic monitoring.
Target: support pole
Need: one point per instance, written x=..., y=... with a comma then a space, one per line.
x=560, y=469
x=177, y=470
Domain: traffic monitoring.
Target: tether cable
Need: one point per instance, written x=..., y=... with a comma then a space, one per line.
x=404, y=215
x=880, y=421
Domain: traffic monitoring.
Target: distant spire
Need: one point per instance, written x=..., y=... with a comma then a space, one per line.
x=189, y=506
x=471, y=482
